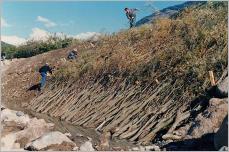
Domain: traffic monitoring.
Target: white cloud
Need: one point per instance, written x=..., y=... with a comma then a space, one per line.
x=36, y=35
x=14, y=40
x=87, y=36
x=47, y=22
x=4, y=23
x=39, y=34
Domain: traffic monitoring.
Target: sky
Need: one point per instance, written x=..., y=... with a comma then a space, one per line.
x=23, y=20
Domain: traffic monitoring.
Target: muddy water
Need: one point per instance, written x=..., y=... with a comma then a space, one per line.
x=79, y=134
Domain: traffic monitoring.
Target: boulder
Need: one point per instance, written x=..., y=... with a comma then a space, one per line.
x=52, y=140
x=8, y=142
x=19, y=113
x=87, y=146
x=207, y=121
x=35, y=129
x=76, y=148
x=171, y=137
x=8, y=115
x=135, y=149
x=104, y=140
x=152, y=148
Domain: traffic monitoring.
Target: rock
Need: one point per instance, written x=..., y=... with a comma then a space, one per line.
x=8, y=115
x=135, y=149
x=19, y=113
x=142, y=148
x=54, y=140
x=104, y=140
x=222, y=88
x=217, y=102
x=152, y=148
x=75, y=148
x=8, y=142
x=117, y=149
x=221, y=137
x=182, y=131
x=68, y=134
x=171, y=137
x=211, y=118
x=175, y=132
x=17, y=145
x=35, y=129
x=169, y=141
x=87, y=146
x=224, y=148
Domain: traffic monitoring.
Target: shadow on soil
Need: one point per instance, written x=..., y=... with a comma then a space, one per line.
x=34, y=87
x=205, y=143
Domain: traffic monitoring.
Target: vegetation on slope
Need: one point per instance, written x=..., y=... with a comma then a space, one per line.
x=6, y=48
x=32, y=47
x=183, y=49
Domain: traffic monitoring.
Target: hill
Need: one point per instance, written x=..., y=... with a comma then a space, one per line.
x=4, y=44
x=135, y=84
x=168, y=12
x=7, y=48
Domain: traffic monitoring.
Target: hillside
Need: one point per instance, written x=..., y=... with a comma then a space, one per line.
x=139, y=85
x=7, y=48
x=4, y=44
x=168, y=12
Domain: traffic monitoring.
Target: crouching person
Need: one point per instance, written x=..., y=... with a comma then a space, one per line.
x=72, y=54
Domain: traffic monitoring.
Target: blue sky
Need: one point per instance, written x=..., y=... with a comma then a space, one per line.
x=26, y=18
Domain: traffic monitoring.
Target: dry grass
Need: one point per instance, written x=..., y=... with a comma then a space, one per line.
x=182, y=48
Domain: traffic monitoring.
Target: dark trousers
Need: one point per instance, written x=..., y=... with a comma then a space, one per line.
x=132, y=21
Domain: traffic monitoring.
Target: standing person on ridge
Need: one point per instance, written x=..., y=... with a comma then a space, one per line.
x=43, y=72
x=131, y=15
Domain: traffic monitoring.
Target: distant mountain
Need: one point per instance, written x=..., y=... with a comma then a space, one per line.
x=4, y=44
x=7, y=49
x=168, y=12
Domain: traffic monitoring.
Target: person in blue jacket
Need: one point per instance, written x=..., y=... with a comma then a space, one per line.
x=43, y=72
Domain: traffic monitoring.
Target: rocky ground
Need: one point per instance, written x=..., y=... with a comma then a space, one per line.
x=21, y=132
